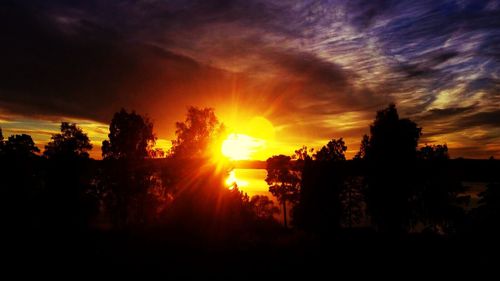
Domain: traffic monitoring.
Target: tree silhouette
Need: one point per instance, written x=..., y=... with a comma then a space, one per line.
x=302, y=154
x=321, y=182
x=130, y=137
x=392, y=138
x=333, y=151
x=438, y=192
x=21, y=183
x=434, y=152
x=283, y=181
x=391, y=155
x=68, y=179
x=72, y=142
x=20, y=146
x=365, y=143
x=127, y=181
x=197, y=134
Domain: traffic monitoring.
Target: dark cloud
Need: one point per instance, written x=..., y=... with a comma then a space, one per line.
x=486, y=118
x=439, y=114
x=87, y=73
x=426, y=67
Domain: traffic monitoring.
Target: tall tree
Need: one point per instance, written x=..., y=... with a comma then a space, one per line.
x=127, y=182
x=318, y=209
x=438, y=192
x=283, y=181
x=68, y=179
x=130, y=137
x=392, y=138
x=197, y=134
x=71, y=143
x=391, y=155
x=21, y=183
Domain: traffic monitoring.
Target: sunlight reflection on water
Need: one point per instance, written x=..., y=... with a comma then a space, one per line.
x=251, y=181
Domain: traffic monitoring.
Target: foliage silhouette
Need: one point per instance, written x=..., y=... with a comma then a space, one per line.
x=392, y=139
x=365, y=143
x=334, y=150
x=130, y=137
x=434, y=152
x=20, y=185
x=391, y=155
x=72, y=142
x=439, y=191
x=126, y=182
x=283, y=181
x=319, y=207
x=197, y=134
x=135, y=209
x=20, y=146
x=302, y=154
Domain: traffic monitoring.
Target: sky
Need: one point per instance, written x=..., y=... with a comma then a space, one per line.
x=316, y=70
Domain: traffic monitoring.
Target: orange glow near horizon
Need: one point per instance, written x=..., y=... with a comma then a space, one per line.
x=241, y=147
x=250, y=140
x=233, y=181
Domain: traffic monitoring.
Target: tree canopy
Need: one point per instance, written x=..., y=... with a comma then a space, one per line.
x=20, y=146
x=434, y=152
x=72, y=142
x=130, y=137
x=334, y=150
x=282, y=179
x=196, y=134
x=392, y=138
x=391, y=151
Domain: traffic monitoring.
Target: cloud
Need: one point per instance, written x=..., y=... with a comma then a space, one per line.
x=486, y=118
x=306, y=66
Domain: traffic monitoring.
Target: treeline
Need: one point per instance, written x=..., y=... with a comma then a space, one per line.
x=61, y=188
x=399, y=189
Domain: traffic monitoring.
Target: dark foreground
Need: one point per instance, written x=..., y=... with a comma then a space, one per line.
x=160, y=252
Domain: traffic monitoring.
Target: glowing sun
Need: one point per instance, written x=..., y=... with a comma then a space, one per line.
x=247, y=142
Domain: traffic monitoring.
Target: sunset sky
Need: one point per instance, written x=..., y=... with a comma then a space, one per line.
x=303, y=71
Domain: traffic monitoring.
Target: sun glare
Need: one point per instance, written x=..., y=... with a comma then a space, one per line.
x=249, y=141
x=232, y=181
x=240, y=146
